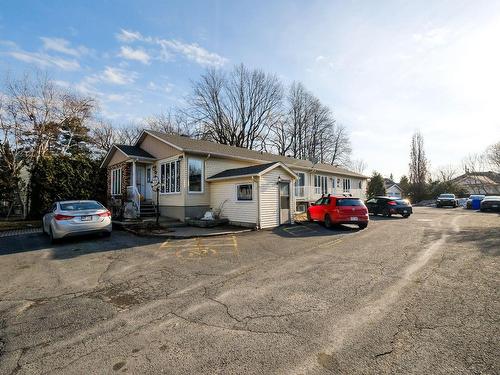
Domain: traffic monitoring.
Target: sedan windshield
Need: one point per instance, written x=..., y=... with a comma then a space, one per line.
x=447, y=196
x=78, y=206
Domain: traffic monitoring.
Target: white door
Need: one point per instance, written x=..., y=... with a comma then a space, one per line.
x=284, y=202
x=148, y=191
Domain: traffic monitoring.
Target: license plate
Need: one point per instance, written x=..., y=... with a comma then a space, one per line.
x=494, y=205
x=86, y=218
x=354, y=218
x=405, y=211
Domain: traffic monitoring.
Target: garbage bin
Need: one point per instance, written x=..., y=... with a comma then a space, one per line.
x=476, y=204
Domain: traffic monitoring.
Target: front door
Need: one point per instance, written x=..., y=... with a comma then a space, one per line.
x=148, y=191
x=284, y=192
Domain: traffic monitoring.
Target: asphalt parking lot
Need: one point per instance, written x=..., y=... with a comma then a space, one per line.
x=405, y=296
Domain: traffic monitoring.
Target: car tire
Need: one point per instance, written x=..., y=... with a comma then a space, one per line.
x=406, y=216
x=328, y=222
x=106, y=234
x=362, y=225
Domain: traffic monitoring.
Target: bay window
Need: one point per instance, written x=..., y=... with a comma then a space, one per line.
x=170, y=177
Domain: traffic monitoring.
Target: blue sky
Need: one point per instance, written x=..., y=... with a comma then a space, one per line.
x=386, y=68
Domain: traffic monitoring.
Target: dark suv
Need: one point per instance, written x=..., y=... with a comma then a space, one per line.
x=388, y=206
x=446, y=200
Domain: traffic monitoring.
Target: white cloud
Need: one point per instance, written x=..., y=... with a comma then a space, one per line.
x=134, y=54
x=169, y=48
x=117, y=76
x=63, y=46
x=167, y=88
x=192, y=52
x=129, y=36
x=44, y=60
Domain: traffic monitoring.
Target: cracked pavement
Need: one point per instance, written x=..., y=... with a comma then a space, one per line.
x=404, y=296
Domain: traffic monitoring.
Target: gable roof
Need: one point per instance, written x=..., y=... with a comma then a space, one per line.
x=129, y=151
x=389, y=183
x=253, y=170
x=198, y=146
x=489, y=177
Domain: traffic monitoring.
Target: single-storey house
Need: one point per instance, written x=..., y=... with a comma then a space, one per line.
x=479, y=182
x=392, y=189
x=248, y=187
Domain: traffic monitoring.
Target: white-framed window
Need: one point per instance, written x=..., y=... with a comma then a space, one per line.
x=321, y=184
x=170, y=177
x=346, y=184
x=195, y=175
x=244, y=192
x=116, y=181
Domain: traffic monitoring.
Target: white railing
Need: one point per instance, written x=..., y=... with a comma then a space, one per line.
x=134, y=195
x=314, y=193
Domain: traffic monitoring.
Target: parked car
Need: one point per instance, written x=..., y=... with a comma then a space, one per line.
x=388, y=206
x=491, y=203
x=446, y=200
x=74, y=218
x=473, y=197
x=339, y=210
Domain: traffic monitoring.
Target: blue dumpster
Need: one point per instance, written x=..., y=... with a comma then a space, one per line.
x=476, y=203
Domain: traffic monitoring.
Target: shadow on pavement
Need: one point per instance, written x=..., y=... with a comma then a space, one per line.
x=383, y=218
x=486, y=239
x=312, y=230
x=75, y=246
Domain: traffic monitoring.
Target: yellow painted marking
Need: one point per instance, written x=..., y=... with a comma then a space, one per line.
x=199, y=248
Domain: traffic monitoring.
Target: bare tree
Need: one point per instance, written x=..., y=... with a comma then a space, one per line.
x=474, y=167
x=446, y=173
x=358, y=165
x=237, y=108
x=418, y=167
x=493, y=155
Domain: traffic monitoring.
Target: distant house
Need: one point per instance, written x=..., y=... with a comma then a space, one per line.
x=392, y=189
x=248, y=187
x=479, y=182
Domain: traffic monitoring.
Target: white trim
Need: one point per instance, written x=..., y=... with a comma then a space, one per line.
x=236, y=192
x=113, y=178
x=202, y=191
x=158, y=138
x=261, y=173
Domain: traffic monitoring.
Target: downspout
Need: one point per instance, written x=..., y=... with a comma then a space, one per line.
x=258, y=202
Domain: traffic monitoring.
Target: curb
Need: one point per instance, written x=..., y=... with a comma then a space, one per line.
x=180, y=237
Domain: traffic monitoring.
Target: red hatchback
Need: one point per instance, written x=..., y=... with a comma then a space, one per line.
x=339, y=210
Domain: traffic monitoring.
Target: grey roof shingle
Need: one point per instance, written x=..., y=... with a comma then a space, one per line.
x=135, y=151
x=206, y=147
x=252, y=170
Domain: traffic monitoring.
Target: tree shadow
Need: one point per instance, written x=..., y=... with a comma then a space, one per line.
x=74, y=246
x=486, y=239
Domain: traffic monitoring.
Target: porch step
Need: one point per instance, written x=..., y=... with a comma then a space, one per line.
x=147, y=210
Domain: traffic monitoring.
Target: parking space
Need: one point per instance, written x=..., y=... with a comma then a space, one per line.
x=297, y=299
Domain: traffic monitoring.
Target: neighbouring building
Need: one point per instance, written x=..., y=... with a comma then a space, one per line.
x=248, y=187
x=392, y=189
x=479, y=182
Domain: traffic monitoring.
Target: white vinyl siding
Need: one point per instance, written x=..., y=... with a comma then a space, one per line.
x=224, y=198
x=269, y=197
x=116, y=181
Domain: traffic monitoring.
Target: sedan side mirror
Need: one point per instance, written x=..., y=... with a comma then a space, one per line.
x=313, y=204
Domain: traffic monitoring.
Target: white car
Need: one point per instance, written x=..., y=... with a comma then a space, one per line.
x=74, y=218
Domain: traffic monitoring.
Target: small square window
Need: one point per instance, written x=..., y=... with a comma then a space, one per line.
x=244, y=192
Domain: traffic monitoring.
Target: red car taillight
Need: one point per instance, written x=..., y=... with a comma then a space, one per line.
x=63, y=217
x=392, y=203
x=105, y=214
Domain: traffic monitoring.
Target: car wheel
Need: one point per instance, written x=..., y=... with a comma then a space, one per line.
x=406, y=216
x=328, y=222
x=362, y=225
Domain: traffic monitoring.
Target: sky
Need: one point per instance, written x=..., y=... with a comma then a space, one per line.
x=385, y=68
